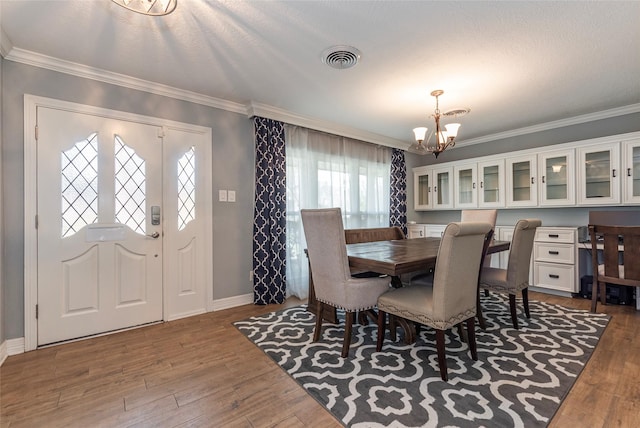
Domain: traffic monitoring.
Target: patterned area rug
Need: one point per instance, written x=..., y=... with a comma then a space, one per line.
x=519, y=380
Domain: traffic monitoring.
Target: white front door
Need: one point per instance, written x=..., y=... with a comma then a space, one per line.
x=99, y=196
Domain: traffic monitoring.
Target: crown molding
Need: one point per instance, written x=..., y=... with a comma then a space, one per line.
x=576, y=120
x=257, y=109
x=270, y=112
x=80, y=70
x=5, y=43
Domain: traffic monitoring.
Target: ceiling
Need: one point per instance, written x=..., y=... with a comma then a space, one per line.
x=514, y=64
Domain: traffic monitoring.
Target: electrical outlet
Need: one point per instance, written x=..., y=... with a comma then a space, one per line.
x=251, y=276
x=231, y=195
x=222, y=195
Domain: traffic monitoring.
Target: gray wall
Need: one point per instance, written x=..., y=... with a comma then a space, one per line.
x=575, y=216
x=232, y=168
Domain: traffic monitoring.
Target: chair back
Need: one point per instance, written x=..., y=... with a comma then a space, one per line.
x=623, y=270
x=327, y=250
x=485, y=216
x=520, y=251
x=455, y=281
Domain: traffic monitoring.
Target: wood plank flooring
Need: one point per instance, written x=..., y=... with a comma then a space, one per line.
x=201, y=372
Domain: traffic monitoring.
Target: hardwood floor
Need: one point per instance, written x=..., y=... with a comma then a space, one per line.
x=201, y=371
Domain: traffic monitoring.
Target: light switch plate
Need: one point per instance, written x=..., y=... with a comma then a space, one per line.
x=222, y=195
x=231, y=195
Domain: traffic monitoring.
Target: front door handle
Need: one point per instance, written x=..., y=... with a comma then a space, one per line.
x=154, y=235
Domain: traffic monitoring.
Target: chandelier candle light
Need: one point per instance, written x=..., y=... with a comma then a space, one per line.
x=444, y=139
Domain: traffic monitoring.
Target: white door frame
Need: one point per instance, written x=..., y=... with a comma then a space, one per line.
x=31, y=104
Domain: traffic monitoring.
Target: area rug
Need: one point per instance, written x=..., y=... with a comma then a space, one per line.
x=519, y=380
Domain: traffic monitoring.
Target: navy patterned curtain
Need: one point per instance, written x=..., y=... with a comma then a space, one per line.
x=398, y=193
x=269, y=220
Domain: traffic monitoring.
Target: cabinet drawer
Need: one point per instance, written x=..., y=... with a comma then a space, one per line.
x=555, y=277
x=550, y=234
x=415, y=231
x=554, y=253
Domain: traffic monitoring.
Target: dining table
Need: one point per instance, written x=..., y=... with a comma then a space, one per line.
x=393, y=258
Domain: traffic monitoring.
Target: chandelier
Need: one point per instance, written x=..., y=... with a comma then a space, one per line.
x=443, y=138
x=149, y=7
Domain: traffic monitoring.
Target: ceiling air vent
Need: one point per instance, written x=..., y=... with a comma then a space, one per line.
x=341, y=57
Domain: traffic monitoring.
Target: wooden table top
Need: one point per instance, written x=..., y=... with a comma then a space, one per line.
x=401, y=256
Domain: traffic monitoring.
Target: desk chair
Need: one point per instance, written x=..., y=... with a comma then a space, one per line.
x=515, y=278
x=452, y=297
x=334, y=286
x=613, y=270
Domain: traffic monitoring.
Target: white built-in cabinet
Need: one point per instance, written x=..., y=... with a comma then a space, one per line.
x=556, y=172
x=465, y=185
x=522, y=182
x=433, y=187
x=555, y=254
x=631, y=172
x=425, y=230
x=599, y=174
x=479, y=184
x=491, y=192
x=602, y=171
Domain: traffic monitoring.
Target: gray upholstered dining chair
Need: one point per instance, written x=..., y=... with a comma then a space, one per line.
x=515, y=278
x=452, y=297
x=487, y=216
x=334, y=285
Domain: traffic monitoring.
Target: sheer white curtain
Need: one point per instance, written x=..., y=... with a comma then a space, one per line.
x=325, y=171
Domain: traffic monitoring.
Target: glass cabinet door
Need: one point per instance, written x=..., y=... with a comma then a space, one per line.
x=557, y=178
x=599, y=174
x=443, y=188
x=422, y=189
x=491, y=184
x=521, y=181
x=466, y=195
x=631, y=171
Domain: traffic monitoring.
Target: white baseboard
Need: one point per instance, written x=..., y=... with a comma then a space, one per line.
x=11, y=347
x=232, y=302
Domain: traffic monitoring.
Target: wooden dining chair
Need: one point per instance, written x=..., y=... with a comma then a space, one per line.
x=515, y=278
x=333, y=283
x=615, y=268
x=452, y=297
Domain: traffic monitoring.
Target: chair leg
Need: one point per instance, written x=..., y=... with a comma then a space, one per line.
x=461, y=334
x=603, y=293
x=382, y=318
x=525, y=302
x=514, y=314
x=442, y=359
x=348, y=323
x=486, y=293
x=483, y=325
x=471, y=334
x=594, y=294
x=319, y=314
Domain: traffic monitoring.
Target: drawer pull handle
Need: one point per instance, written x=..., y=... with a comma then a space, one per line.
x=554, y=276
x=554, y=235
x=543, y=182
x=628, y=172
x=554, y=253
x=533, y=180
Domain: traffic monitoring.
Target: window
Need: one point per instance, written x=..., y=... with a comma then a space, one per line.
x=325, y=171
